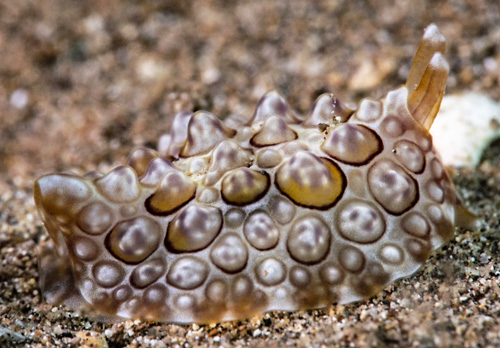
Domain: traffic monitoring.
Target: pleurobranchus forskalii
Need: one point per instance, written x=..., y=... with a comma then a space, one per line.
x=284, y=212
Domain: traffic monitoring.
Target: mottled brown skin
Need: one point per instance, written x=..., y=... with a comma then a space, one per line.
x=283, y=213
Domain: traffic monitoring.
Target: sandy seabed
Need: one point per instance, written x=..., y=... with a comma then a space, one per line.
x=82, y=83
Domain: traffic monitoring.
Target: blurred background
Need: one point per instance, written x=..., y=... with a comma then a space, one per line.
x=82, y=82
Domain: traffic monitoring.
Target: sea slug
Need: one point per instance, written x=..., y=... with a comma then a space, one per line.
x=283, y=213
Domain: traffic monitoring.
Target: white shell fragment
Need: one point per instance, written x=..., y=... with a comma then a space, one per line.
x=466, y=126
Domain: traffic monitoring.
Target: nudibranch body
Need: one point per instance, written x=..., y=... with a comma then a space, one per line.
x=283, y=213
